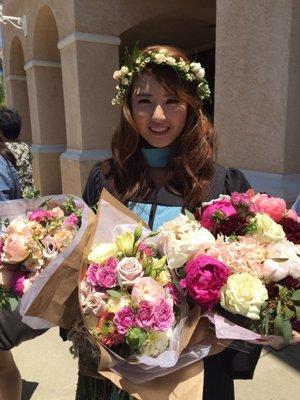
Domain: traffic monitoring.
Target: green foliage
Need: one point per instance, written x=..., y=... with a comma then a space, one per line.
x=2, y=93
x=135, y=337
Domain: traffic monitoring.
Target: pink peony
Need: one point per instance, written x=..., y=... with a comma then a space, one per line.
x=204, y=279
x=17, y=284
x=222, y=207
x=71, y=222
x=40, y=215
x=273, y=206
x=175, y=293
x=124, y=319
x=146, y=314
x=164, y=316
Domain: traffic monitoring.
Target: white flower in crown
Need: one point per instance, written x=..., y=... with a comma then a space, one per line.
x=160, y=58
x=117, y=75
x=124, y=70
x=170, y=61
x=197, y=70
x=183, y=66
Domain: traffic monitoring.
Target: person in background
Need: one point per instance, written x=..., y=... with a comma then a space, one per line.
x=10, y=128
x=10, y=378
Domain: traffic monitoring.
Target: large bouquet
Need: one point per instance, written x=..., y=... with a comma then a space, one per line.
x=36, y=239
x=252, y=269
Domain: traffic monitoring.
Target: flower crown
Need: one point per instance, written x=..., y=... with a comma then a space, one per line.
x=138, y=61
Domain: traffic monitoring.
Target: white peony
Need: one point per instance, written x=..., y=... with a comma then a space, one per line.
x=282, y=260
x=181, y=239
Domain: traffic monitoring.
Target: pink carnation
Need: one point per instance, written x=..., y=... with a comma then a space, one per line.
x=224, y=207
x=103, y=275
x=40, y=215
x=17, y=284
x=164, y=316
x=146, y=314
x=204, y=279
x=273, y=206
x=124, y=319
x=71, y=222
x=144, y=248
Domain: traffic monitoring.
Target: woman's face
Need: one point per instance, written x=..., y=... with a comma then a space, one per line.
x=159, y=116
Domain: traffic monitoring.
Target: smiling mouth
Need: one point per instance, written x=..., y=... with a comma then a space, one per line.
x=159, y=131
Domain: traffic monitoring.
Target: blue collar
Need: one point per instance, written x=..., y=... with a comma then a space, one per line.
x=158, y=157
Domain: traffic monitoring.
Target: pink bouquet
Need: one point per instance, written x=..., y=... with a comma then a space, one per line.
x=253, y=267
x=127, y=296
x=29, y=242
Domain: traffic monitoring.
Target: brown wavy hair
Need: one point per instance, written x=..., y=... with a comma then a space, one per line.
x=192, y=168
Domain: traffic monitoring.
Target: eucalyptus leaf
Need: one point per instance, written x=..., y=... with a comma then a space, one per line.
x=278, y=325
x=287, y=331
x=297, y=308
x=296, y=296
x=13, y=302
x=114, y=293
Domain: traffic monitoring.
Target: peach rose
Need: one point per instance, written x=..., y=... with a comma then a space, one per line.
x=19, y=226
x=273, y=206
x=14, y=250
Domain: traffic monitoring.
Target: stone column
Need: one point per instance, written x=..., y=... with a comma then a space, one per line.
x=47, y=121
x=88, y=61
x=17, y=98
x=257, y=78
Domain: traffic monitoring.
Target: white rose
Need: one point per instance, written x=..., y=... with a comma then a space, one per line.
x=129, y=270
x=181, y=239
x=267, y=229
x=117, y=75
x=124, y=70
x=197, y=70
x=244, y=294
x=156, y=343
x=101, y=252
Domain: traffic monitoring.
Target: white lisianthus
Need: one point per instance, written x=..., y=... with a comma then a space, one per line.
x=282, y=260
x=156, y=343
x=115, y=304
x=268, y=230
x=244, y=294
x=181, y=239
x=101, y=252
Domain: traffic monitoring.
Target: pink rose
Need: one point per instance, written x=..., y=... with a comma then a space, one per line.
x=124, y=319
x=14, y=250
x=94, y=303
x=71, y=222
x=40, y=215
x=129, y=270
x=273, y=206
x=18, y=283
x=147, y=289
x=204, y=279
x=292, y=214
x=57, y=212
x=146, y=314
x=223, y=207
x=164, y=316
x=146, y=249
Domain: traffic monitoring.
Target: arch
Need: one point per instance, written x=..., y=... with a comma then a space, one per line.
x=45, y=36
x=16, y=87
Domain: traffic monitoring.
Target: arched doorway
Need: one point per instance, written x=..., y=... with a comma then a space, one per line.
x=16, y=88
x=46, y=103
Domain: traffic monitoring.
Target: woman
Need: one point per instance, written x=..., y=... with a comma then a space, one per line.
x=164, y=161
x=10, y=379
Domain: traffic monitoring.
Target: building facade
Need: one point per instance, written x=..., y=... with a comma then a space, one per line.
x=59, y=78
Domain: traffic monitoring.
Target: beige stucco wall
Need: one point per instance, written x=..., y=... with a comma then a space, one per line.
x=251, y=88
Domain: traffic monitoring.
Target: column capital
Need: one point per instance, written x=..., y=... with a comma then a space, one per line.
x=88, y=37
